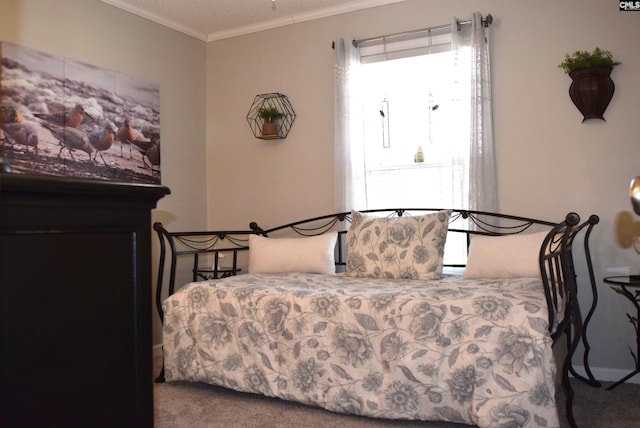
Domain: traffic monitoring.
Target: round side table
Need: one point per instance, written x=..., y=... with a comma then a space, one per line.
x=629, y=287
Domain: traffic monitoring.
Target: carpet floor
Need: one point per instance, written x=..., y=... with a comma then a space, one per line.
x=195, y=405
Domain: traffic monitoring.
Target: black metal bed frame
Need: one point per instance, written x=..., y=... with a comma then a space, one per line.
x=556, y=260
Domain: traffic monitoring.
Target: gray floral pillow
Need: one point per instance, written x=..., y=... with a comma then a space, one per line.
x=397, y=247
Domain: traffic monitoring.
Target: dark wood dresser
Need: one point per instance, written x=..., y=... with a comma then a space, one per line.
x=75, y=299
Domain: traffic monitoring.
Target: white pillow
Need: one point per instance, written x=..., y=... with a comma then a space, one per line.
x=508, y=256
x=314, y=254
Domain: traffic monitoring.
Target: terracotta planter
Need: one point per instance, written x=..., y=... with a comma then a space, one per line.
x=269, y=129
x=591, y=91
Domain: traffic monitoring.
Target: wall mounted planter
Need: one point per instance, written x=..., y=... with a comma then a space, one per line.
x=279, y=128
x=591, y=91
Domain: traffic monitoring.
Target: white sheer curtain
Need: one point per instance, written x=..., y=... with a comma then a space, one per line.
x=349, y=176
x=473, y=40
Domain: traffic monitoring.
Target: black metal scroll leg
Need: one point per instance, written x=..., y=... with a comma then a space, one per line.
x=576, y=323
x=635, y=299
x=590, y=379
x=624, y=379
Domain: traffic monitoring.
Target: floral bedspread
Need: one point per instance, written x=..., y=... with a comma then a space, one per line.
x=468, y=351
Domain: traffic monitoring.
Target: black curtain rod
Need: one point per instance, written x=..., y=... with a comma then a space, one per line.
x=487, y=21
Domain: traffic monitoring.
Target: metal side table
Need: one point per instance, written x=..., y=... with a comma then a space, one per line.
x=629, y=286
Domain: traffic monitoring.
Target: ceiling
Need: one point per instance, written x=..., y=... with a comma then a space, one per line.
x=210, y=20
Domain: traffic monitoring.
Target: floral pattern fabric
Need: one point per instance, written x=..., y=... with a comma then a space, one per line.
x=468, y=351
x=409, y=247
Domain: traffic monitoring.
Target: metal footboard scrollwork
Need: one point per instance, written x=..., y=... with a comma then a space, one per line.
x=557, y=266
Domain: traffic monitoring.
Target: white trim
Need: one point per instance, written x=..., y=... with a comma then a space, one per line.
x=297, y=18
x=252, y=28
x=608, y=375
x=157, y=19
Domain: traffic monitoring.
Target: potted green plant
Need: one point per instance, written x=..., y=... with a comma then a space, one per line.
x=583, y=59
x=591, y=89
x=269, y=116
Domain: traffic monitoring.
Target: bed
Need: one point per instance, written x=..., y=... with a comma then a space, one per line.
x=400, y=314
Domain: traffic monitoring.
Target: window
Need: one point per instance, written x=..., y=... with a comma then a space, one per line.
x=415, y=126
x=416, y=132
x=457, y=134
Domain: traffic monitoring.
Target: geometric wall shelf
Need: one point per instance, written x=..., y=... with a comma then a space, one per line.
x=283, y=123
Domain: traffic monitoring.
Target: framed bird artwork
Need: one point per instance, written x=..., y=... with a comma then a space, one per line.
x=63, y=117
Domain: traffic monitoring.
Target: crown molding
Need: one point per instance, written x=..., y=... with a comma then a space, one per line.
x=252, y=28
x=297, y=18
x=157, y=19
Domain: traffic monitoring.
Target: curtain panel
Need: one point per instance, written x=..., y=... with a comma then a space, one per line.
x=349, y=170
x=481, y=179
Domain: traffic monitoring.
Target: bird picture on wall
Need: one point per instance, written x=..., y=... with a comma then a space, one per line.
x=59, y=115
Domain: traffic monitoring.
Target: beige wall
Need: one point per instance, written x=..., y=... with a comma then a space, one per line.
x=221, y=176
x=549, y=162
x=102, y=35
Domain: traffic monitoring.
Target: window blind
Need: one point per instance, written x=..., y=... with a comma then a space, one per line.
x=405, y=45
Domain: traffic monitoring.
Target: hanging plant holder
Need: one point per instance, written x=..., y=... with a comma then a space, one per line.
x=271, y=116
x=591, y=91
